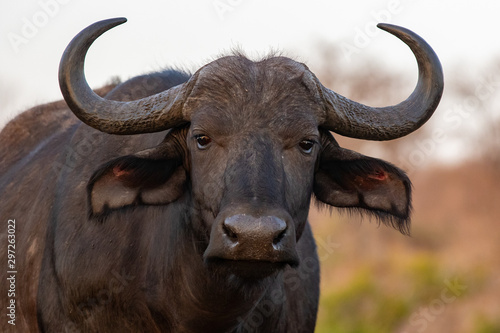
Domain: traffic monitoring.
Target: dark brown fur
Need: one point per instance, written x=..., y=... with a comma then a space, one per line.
x=135, y=263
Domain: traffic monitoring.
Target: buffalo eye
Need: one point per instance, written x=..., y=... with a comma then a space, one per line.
x=202, y=141
x=306, y=146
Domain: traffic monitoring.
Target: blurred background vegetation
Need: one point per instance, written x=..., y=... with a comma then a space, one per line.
x=445, y=277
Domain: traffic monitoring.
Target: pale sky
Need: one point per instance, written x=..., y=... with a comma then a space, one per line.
x=34, y=33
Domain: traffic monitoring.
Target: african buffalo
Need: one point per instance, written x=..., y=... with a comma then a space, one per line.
x=194, y=217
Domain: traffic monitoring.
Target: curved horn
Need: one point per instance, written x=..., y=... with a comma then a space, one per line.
x=151, y=114
x=353, y=119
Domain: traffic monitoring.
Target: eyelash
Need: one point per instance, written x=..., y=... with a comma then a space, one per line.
x=307, y=146
x=202, y=141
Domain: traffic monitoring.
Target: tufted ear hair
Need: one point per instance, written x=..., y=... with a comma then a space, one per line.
x=347, y=179
x=154, y=176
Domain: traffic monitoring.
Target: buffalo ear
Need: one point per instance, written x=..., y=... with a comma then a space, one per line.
x=347, y=179
x=135, y=180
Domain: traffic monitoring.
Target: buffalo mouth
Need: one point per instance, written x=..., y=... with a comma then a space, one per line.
x=247, y=269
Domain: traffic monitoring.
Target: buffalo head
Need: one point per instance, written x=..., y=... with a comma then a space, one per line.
x=248, y=144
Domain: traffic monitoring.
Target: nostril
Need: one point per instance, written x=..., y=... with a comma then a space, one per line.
x=229, y=232
x=257, y=232
x=279, y=237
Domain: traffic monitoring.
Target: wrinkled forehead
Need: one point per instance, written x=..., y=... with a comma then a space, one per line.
x=238, y=91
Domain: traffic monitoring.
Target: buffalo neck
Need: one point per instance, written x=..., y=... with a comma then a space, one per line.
x=212, y=298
